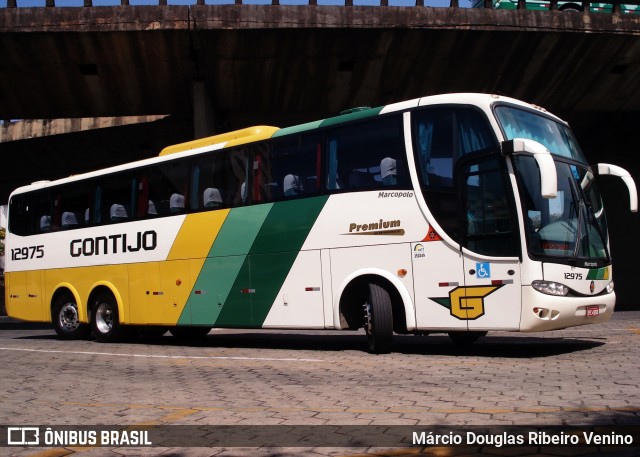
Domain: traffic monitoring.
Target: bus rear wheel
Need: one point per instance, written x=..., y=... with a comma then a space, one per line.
x=66, y=320
x=378, y=320
x=105, y=321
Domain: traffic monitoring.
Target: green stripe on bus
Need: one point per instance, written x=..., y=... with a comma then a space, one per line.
x=224, y=265
x=248, y=263
x=236, y=310
x=297, y=129
x=287, y=225
x=240, y=230
x=598, y=273
x=357, y=115
x=273, y=253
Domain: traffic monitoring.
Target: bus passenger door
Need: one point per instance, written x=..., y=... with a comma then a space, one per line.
x=492, y=294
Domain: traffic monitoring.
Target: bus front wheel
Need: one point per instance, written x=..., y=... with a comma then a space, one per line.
x=105, y=321
x=378, y=320
x=66, y=320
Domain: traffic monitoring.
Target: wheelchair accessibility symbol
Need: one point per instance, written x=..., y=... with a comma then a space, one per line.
x=483, y=270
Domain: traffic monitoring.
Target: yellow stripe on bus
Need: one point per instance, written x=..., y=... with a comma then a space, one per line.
x=197, y=235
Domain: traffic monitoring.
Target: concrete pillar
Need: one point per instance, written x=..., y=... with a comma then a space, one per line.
x=203, y=113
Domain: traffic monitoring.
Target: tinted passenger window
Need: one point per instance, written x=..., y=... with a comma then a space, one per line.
x=72, y=205
x=163, y=189
x=441, y=137
x=219, y=180
x=287, y=168
x=367, y=156
x=444, y=135
x=490, y=211
x=31, y=213
x=115, y=198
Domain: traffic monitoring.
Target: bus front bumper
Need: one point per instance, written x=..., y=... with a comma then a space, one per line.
x=541, y=312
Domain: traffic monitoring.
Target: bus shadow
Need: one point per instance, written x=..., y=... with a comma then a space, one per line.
x=14, y=325
x=497, y=346
x=490, y=346
x=506, y=346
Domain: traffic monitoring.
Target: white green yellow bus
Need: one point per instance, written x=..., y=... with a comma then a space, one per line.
x=458, y=214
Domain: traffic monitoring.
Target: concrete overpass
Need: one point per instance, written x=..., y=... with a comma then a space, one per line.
x=287, y=63
x=205, y=68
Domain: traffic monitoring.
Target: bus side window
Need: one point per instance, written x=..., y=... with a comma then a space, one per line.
x=162, y=189
x=74, y=200
x=442, y=136
x=219, y=179
x=203, y=185
x=367, y=156
x=117, y=197
x=22, y=221
x=490, y=211
x=263, y=187
x=235, y=168
x=35, y=213
x=38, y=207
x=289, y=168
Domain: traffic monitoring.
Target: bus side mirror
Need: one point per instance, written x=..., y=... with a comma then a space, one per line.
x=614, y=170
x=548, y=174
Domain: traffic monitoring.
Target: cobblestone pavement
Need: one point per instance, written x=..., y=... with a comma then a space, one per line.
x=584, y=377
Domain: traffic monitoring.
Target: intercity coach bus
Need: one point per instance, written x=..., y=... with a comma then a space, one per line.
x=458, y=214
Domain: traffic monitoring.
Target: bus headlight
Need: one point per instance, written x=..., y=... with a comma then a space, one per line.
x=610, y=287
x=550, y=288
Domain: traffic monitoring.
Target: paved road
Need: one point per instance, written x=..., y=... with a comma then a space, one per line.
x=583, y=377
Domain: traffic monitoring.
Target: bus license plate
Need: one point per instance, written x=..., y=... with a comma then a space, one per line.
x=593, y=311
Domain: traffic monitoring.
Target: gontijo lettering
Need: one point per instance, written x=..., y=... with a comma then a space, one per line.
x=114, y=244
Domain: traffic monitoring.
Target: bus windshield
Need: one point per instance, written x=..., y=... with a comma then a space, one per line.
x=556, y=137
x=572, y=225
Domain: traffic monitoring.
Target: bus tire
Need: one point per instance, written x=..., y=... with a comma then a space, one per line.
x=66, y=320
x=105, y=321
x=189, y=333
x=378, y=320
x=465, y=338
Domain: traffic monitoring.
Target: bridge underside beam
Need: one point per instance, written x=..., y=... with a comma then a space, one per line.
x=293, y=63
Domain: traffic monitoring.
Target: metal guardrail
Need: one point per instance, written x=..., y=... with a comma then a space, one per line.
x=521, y=4
x=89, y=3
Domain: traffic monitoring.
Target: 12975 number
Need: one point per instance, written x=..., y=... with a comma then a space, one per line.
x=577, y=276
x=27, y=252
